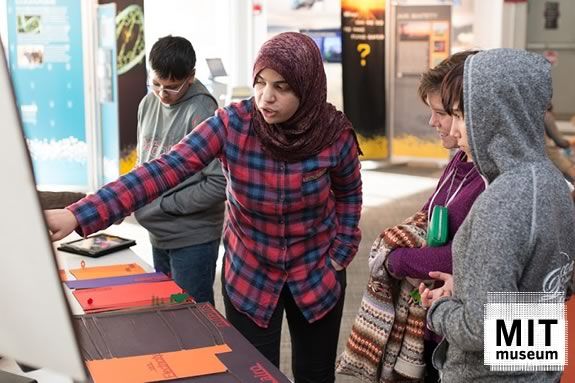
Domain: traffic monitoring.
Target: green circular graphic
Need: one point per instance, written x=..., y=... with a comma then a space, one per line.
x=130, y=37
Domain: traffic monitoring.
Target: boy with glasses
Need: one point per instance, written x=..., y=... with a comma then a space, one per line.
x=185, y=223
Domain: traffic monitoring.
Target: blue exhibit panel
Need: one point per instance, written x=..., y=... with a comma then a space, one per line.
x=46, y=64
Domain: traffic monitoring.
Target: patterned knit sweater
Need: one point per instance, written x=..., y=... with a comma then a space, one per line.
x=386, y=340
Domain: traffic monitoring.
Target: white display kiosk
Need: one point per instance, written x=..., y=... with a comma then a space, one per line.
x=35, y=324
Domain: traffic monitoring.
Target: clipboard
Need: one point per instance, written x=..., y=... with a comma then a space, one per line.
x=97, y=245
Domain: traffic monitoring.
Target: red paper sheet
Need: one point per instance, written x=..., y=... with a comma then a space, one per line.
x=123, y=296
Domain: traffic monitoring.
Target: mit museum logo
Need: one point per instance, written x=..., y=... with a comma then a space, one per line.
x=525, y=332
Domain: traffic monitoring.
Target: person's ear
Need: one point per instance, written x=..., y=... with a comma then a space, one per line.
x=192, y=75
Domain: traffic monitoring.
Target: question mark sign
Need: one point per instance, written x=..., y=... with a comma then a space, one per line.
x=364, y=50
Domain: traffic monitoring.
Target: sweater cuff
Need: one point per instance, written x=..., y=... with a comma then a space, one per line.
x=394, y=265
x=434, y=315
x=342, y=253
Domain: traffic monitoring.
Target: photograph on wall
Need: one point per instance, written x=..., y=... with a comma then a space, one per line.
x=29, y=23
x=30, y=56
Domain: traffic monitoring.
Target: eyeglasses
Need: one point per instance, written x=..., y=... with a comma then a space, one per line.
x=170, y=90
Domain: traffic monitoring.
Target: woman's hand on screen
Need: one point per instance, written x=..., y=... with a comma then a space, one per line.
x=61, y=222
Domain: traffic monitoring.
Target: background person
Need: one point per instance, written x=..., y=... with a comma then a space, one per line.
x=185, y=223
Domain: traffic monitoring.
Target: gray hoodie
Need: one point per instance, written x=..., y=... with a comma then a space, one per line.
x=191, y=213
x=520, y=234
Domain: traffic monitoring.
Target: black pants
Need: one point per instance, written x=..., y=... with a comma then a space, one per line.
x=431, y=374
x=314, y=345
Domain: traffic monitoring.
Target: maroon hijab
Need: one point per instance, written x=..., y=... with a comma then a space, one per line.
x=316, y=124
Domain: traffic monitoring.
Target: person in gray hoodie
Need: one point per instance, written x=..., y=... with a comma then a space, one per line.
x=185, y=223
x=520, y=234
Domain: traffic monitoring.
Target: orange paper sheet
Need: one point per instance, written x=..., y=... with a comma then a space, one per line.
x=159, y=367
x=63, y=276
x=123, y=296
x=107, y=271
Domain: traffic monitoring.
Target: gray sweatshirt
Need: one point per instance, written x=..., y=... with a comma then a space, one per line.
x=191, y=213
x=520, y=234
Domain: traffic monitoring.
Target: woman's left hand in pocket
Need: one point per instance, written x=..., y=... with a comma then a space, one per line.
x=336, y=265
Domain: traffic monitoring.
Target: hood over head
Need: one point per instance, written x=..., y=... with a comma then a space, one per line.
x=505, y=94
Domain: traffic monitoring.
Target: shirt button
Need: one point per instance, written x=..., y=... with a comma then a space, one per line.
x=281, y=220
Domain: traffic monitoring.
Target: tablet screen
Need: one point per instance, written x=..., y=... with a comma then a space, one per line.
x=97, y=245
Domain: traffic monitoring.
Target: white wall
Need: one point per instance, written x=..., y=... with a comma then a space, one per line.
x=514, y=21
x=205, y=23
x=499, y=25
x=488, y=23
x=3, y=23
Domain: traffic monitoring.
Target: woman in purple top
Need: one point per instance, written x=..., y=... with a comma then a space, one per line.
x=458, y=187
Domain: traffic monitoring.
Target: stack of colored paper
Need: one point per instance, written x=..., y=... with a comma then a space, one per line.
x=125, y=296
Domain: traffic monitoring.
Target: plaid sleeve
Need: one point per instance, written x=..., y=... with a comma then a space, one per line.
x=347, y=188
x=145, y=183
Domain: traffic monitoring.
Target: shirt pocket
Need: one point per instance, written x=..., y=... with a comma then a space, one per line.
x=315, y=187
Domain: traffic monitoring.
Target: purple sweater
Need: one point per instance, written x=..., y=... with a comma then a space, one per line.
x=418, y=262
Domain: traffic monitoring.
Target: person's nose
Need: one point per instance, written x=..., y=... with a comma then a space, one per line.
x=268, y=94
x=454, y=131
x=432, y=120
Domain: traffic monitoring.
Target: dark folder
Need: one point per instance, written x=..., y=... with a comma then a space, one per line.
x=171, y=328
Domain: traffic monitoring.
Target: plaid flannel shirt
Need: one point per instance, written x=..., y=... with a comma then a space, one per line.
x=285, y=220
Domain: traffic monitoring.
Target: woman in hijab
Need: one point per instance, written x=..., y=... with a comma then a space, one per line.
x=293, y=198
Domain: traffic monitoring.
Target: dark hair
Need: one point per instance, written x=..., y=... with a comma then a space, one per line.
x=173, y=57
x=452, y=89
x=430, y=81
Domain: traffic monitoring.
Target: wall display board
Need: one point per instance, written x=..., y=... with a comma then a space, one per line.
x=47, y=67
x=131, y=67
x=422, y=39
x=363, y=70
